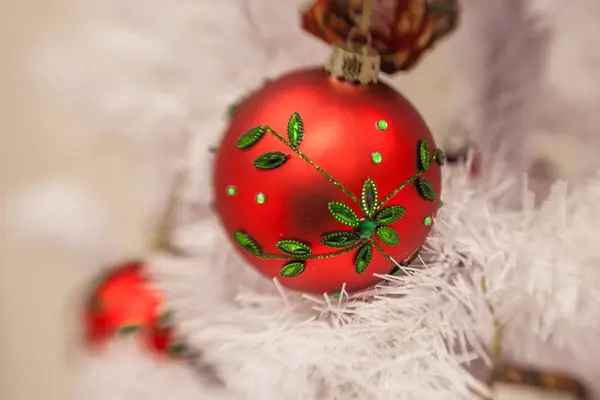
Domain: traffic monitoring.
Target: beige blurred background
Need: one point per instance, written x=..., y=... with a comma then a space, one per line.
x=39, y=282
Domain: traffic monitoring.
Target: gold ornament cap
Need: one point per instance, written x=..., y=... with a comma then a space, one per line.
x=355, y=63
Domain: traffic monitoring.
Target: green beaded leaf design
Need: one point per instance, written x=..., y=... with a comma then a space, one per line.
x=177, y=348
x=127, y=330
x=343, y=214
x=295, y=129
x=251, y=137
x=389, y=215
x=369, y=197
x=425, y=189
x=165, y=320
x=440, y=157
x=340, y=240
x=247, y=243
x=363, y=258
x=292, y=269
x=424, y=155
x=388, y=236
x=366, y=228
x=293, y=248
x=270, y=160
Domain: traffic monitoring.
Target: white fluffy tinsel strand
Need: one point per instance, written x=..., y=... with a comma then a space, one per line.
x=413, y=337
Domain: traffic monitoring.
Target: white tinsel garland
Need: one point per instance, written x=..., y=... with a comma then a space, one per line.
x=411, y=338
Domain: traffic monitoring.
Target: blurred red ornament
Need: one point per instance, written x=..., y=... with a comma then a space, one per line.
x=124, y=303
x=321, y=183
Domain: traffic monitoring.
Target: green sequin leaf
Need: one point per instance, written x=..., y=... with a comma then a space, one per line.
x=177, y=348
x=363, y=258
x=425, y=189
x=424, y=155
x=388, y=236
x=129, y=329
x=270, y=160
x=340, y=240
x=369, y=197
x=389, y=215
x=292, y=269
x=343, y=214
x=251, y=137
x=165, y=320
x=247, y=243
x=440, y=157
x=293, y=248
x=295, y=129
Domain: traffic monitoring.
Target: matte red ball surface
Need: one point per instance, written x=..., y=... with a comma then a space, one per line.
x=341, y=135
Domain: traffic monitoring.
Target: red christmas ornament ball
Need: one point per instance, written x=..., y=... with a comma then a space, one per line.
x=322, y=183
x=123, y=303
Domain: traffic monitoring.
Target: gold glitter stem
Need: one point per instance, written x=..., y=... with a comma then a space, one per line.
x=399, y=188
x=314, y=256
x=405, y=184
x=315, y=166
x=496, y=342
x=382, y=251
